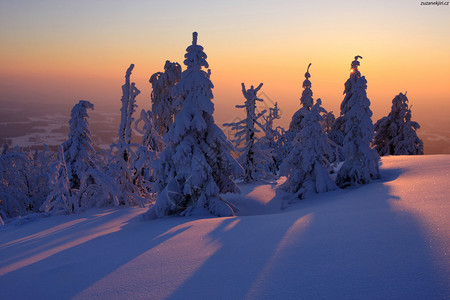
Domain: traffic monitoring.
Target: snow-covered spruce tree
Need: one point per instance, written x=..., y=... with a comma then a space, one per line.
x=253, y=157
x=307, y=166
x=306, y=102
x=165, y=105
x=196, y=165
x=60, y=199
x=129, y=94
x=396, y=134
x=121, y=163
x=336, y=133
x=78, y=148
x=361, y=161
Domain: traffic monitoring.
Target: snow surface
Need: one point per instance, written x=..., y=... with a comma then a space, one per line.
x=386, y=240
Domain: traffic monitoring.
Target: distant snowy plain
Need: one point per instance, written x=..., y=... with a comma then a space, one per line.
x=386, y=240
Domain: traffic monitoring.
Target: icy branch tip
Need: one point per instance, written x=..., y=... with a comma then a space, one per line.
x=194, y=38
x=307, y=75
x=130, y=68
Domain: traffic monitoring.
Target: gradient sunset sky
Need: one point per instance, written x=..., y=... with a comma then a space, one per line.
x=63, y=51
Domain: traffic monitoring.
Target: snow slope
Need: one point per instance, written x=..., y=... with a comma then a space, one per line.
x=386, y=240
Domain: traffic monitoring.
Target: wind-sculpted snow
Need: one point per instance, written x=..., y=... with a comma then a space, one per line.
x=385, y=240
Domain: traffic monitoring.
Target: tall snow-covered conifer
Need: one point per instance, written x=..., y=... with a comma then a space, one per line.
x=306, y=166
x=361, y=162
x=253, y=157
x=306, y=102
x=129, y=94
x=396, y=134
x=196, y=165
x=165, y=104
x=121, y=164
x=78, y=148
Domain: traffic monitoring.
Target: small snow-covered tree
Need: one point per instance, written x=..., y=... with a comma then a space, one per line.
x=150, y=137
x=78, y=148
x=253, y=157
x=396, y=134
x=273, y=139
x=23, y=180
x=60, y=199
x=38, y=171
x=165, y=104
x=148, y=151
x=196, y=166
x=15, y=184
x=306, y=166
x=361, y=162
x=98, y=189
x=327, y=122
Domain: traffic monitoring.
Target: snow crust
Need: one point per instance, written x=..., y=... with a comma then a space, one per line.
x=385, y=240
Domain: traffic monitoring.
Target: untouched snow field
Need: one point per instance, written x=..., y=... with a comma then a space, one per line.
x=386, y=240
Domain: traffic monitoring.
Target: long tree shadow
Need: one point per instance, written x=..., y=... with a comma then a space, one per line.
x=72, y=270
x=246, y=244
x=348, y=244
x=35, y=238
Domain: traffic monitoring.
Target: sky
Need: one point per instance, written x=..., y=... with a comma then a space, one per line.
x=63, y=51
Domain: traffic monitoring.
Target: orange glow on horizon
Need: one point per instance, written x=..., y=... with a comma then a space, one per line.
x=69, y=52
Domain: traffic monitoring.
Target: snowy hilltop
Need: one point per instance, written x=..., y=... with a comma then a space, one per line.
x=386, y=240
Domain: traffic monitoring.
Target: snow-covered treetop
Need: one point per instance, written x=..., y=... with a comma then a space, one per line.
x=306, y=102
x=128, y=73
x=306, y=98
x=82, y=106
x=173, y=71
x=274, y=114
x=195, y=57
x=250, y=94
x=275, y=111
x=354, y=67
x=165, y=105
x=195, y=85
x=354, y=76
x=307, y=83
x=129, y=93
x=79, y=128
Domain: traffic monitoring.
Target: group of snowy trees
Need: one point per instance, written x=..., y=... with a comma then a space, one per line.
x=185, y=162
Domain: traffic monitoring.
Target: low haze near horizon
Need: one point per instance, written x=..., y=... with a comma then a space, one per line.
x=63, y=51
